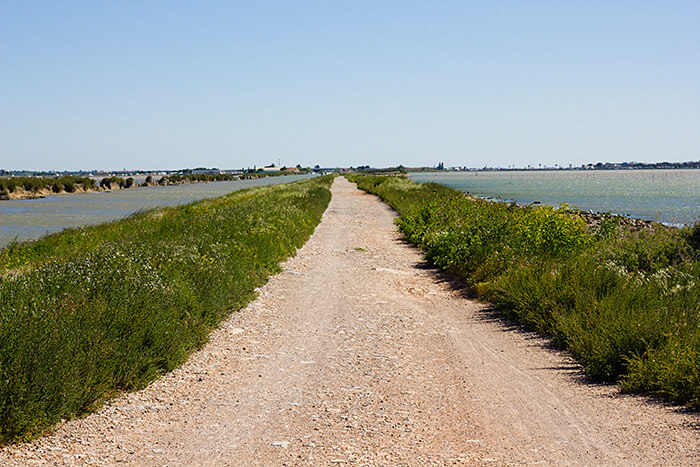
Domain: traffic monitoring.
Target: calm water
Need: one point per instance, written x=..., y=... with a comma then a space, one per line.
x=670, y=196
x=32, y=218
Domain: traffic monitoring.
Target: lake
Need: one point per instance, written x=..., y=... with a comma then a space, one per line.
x=29, y=219
x=669, y=196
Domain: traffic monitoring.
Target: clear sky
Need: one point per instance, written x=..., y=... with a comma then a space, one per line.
x=173, y=84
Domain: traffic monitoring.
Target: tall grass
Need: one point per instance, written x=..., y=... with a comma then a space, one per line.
x=625, y=304
x=89, y=312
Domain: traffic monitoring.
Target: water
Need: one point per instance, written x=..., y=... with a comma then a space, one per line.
x=32, y=218
x=669, y=196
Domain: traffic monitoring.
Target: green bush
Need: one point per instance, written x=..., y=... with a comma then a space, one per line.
x=625, y=304
x=92, y=311
x=55, y=184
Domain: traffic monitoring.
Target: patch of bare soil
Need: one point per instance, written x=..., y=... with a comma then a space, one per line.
x=358, y=353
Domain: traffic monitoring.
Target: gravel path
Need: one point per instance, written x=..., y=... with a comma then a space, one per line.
x=359, y=353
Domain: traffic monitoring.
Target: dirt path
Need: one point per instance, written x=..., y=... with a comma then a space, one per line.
x=358, y=353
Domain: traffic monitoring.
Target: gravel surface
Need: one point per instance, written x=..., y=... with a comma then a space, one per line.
x=360, y=353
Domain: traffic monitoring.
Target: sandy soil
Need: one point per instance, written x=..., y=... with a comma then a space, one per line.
x=360, y=354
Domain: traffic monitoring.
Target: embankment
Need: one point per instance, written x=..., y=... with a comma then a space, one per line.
x=625, y=302
x=89, y=312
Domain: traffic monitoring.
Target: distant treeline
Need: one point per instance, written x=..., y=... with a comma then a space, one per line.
x=642, y=165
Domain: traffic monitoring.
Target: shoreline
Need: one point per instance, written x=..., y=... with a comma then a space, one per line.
x=592, y=219
x=20, y=193
x=650, y=197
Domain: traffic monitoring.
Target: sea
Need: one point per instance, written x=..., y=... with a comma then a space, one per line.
x=29, y=219
x=670, y=196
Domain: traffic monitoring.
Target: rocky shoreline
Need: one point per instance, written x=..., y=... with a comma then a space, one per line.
x=594, y=220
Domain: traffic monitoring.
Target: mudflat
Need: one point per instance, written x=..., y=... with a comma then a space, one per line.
x=361, y=353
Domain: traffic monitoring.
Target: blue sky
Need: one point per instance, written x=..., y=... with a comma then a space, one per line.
x=148, y=84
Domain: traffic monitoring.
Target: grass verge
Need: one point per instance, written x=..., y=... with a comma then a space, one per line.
x=625, y=304
x=86, y=313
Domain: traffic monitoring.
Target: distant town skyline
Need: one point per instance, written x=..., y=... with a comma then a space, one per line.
x=163, y=86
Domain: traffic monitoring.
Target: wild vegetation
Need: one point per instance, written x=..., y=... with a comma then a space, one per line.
x=197, y=178
x=625, y=303
x=36, y=184
x=89, y=312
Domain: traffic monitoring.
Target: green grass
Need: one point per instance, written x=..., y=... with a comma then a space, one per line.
x=625, y=304
x=89, y=312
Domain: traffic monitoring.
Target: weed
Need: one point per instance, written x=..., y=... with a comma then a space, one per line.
x=92, y=311
x=625, y=304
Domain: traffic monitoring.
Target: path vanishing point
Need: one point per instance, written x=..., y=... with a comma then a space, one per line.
x=359, y=353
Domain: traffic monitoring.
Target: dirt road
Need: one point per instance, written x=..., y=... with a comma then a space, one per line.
x=359, y=353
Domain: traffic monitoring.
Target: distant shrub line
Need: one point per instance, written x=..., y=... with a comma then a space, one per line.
x=55, y=184
x=70, y=184
x=625, y=304
x=88, y=312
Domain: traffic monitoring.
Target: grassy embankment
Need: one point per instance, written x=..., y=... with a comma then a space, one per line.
x=89, y=312
x=625, y=304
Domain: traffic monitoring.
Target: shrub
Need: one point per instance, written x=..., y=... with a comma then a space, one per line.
x=69, y=186
x=92, y=311
x=625, y=304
